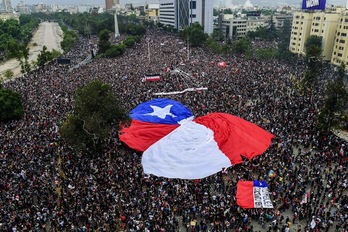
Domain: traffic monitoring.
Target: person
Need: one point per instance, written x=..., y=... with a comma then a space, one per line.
x=61, y=188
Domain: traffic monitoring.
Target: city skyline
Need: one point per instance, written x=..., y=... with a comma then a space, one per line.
x=141, y=2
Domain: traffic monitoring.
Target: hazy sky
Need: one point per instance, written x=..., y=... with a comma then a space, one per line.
x=140, y=2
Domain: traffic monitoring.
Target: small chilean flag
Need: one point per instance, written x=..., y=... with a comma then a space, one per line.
x=253, y=194
x=150, y=78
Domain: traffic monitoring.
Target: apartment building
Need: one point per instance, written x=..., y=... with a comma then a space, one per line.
x=340, y=48
x=331, y=25
x=301, y=29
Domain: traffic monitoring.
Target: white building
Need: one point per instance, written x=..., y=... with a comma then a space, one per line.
x=238, y=27
x=5, y=6
x=182, y=13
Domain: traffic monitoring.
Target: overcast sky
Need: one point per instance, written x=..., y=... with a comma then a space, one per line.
x=140, y=2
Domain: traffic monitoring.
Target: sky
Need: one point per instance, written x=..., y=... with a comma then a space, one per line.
x=141, y=2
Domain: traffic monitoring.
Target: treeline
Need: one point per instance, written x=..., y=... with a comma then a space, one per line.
x=87, y=24
x=15, y=35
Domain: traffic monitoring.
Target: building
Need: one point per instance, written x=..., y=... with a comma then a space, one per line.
x=237, y=27
x=331, y=25
x=6, y=16
x=182, y=13
x=22, y=8
x=152, y=13
x=340, y=47
x=300, y=31
x=110, y=5
x=280, y=19
x=5, y=6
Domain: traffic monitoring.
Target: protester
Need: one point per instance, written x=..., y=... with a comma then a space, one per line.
x=46, y=185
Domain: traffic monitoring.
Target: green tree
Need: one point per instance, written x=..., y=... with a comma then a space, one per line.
x=266, y=53
x=11, y=107
x=43, y=57
x=115, y=50
x=97, y=111
x=129, y=41
x=284, y=41
x=195, y=34
x=8, y=74
x=218, y=35
x=336, y=98
x=242, y=45
x=227, y=11
x=69, y=39
x=104, y=43
x=313, y=48
x=46, y=56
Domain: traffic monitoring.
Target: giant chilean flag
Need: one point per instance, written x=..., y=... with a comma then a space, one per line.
x=177, y=146
x=253, y=194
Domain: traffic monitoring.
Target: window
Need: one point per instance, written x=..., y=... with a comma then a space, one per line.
x=193, y=16
x=193, y=5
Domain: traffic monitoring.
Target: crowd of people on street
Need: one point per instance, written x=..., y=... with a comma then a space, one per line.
x=48, y=186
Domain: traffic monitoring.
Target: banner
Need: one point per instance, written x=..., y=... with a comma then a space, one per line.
x=151, y=78
x=313, y=4
x=181, y=92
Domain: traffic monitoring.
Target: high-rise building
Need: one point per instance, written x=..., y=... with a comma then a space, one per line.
x=182, y=13
x=331, y=25
x=340, y=47
x=6, y=6
x=111, y=4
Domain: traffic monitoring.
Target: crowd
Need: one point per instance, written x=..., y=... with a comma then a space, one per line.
x=47, y=186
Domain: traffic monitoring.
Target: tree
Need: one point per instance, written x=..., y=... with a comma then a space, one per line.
x=336, y=98
x=115, y=50
x=104, y=43
x=69, y=39
x=8, y=74
x=97, y=111
x=242, y=45
x=284, y=41
x=218, y=35
x=195, y=34
x=313, y=47
x=11, y=107
x=266, y=53
x=46, y=56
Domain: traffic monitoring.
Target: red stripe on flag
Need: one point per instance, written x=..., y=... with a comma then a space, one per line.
x=141, y=135
x=245, y=194
x=236, y=136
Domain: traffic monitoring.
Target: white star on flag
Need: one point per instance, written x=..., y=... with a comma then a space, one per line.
x=161, y=112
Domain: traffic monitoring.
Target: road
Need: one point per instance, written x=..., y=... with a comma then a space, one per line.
x=49, y=34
